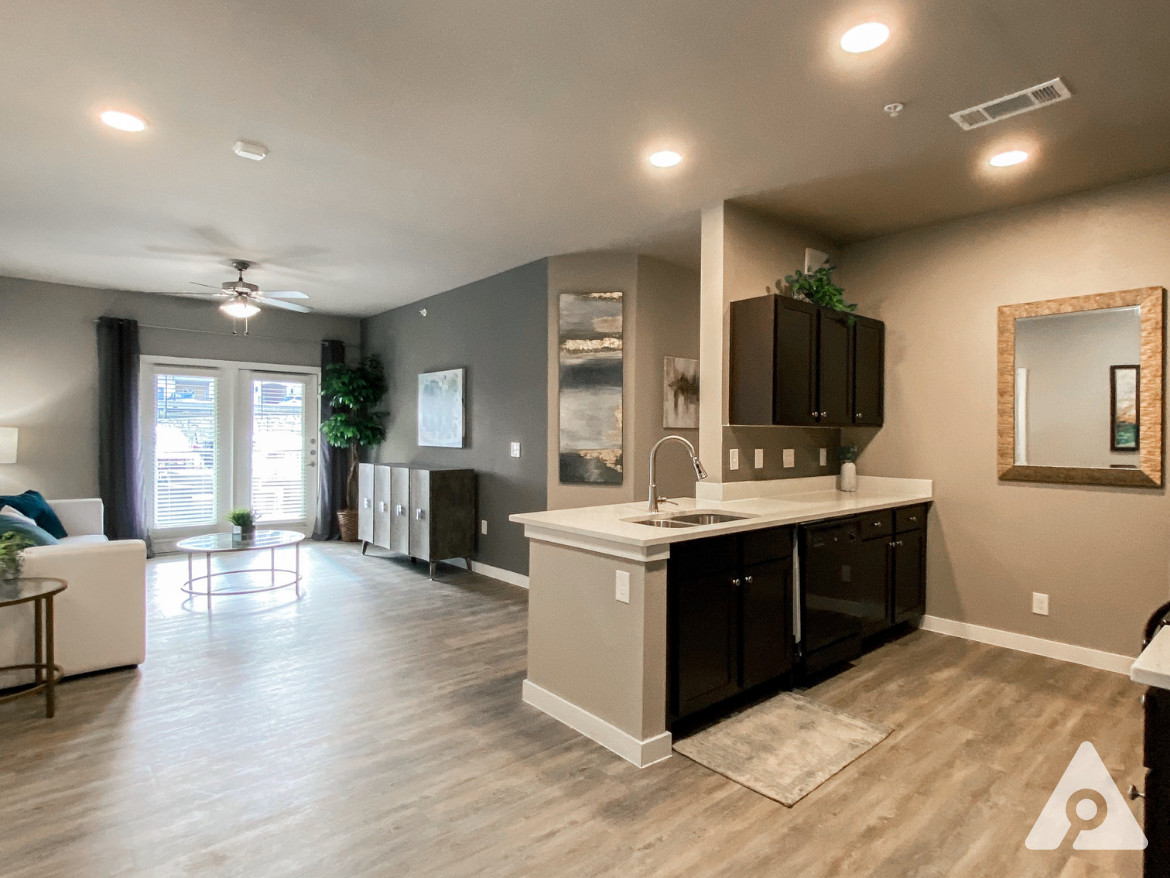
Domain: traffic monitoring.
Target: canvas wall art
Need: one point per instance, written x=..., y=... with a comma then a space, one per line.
x=1124, y=387
x=440, y=409
x=680, y=393
x=590, y=355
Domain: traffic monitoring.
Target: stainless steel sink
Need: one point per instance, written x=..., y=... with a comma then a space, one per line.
x=707, y=517
x=687, y=519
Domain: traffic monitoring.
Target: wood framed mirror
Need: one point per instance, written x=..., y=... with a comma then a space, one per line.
x=1080, y=389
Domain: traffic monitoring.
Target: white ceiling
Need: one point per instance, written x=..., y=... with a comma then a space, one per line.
x=421, y=144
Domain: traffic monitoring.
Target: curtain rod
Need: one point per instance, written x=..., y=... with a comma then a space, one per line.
x=224, y=334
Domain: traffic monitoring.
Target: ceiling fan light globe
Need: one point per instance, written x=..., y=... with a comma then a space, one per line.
x=239, y=308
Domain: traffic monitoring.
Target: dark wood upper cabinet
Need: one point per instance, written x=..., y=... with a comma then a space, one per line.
x=869, y=372
x=796, y=364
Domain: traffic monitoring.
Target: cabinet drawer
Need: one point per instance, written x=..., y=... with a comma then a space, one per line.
x=697, y=558
x=877, y=524
x=773, y=544
x=910, y=518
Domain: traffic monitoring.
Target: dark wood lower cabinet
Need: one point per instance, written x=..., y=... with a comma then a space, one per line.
x=729, y=617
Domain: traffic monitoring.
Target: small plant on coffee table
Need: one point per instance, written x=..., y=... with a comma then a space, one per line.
x=244, y=521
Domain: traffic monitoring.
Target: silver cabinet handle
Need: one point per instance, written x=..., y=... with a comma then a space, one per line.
x=418, y=515
x=399, y=509
x=735, y=582
x=365, y=503
x=813, y=414
x=748, y=580
x=858, y=415
x=382, y=507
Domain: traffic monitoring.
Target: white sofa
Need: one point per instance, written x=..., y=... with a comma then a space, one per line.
x=101, y=616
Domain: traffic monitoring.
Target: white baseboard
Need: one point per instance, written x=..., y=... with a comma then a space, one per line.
x=640, y=752
x=508, y=576
x=1065, y=652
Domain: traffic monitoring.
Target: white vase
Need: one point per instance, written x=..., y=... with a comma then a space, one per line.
x=847, y=481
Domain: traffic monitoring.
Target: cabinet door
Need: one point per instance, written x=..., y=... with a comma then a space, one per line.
x=366, y=502
x=420, y=514
x=869, y=359
x=909, y=575
x=383, y=506
x=751, y=356
x=872, y=584
x=704, y=643
x=834, y=369
x=795, y=400
x=400, y=509
x=766, y=606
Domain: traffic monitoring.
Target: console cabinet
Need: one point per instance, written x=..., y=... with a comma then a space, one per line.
x=729, y=617
x=427, y=513
x=793, y=363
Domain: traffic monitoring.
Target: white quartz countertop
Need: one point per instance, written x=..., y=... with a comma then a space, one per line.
x=1152, y=667
x=610, y=524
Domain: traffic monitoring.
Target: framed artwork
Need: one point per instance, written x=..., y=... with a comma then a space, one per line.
x=680, y=393
x=440, y=409
x=1124, y=393
x=590, y=355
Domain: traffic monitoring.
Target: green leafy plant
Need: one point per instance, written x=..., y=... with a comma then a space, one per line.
x=353, y=392
x=11, y=546
x=818, y=288
x=847, y=453
x=242, y=518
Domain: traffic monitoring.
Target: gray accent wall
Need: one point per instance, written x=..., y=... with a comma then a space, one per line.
x=496, y=329
x=48, y=351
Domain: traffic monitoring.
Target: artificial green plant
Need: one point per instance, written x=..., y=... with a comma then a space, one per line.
x=353, y=392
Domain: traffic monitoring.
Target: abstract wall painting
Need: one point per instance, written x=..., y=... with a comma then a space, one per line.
x=1124, y=387
x=440, y=409
x=680, y=393
x=590, y=355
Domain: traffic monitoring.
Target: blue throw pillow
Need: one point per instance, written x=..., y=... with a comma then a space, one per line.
x=36, y=535
x=32, y=504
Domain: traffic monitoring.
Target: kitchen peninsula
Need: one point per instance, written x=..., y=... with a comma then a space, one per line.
x=598, y=651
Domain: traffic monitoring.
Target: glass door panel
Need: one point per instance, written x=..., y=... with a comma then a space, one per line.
x=185, y=451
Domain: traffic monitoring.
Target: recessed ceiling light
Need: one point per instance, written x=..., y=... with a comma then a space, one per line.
x=1009, y=158
x=865, y=37
x=666, y=158
x=124, y=121
x=239, y=308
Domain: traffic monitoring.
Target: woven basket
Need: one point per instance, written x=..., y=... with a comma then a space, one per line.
x=347, y=520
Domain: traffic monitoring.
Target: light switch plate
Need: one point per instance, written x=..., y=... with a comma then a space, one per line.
x=789, y=458
x=824, y=457
x=482, y=526
x=515, y=449
x=1039, y=603
x=759, y=458
x=733, y=458
x=621, y=589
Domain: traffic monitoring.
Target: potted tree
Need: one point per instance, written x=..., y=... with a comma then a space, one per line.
x=353, y=391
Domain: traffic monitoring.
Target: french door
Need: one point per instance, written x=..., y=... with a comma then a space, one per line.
x=218, y=436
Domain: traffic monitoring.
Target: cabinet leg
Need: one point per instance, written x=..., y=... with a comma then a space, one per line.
x=434, y=564
x=365, y=545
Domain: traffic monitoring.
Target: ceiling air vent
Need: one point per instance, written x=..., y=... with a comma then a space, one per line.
x=1012, y=105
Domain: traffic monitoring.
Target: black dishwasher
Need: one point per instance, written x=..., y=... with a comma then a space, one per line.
x=834, y=602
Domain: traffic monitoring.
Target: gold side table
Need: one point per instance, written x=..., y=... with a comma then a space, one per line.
x=39, y=591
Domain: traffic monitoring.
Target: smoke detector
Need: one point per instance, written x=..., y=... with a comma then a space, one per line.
x=1052, y=92
x=247, y=149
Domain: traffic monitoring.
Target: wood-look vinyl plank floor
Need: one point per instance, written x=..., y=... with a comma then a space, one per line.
x=375, y=728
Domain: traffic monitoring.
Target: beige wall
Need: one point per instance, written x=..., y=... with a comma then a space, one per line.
x=661, y=303
x=743, y=253
x=48, y=349
x=1102, y=554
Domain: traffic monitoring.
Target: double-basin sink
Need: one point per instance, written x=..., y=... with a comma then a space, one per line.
x=687, y=519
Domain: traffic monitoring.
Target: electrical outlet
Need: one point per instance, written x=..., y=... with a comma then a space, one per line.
x=1039, y=603
x=789, y=458
x=482, y=527
x=621, y=590
x=515, y=449
x=759, y=458
x=733, y=458
x=824, y=457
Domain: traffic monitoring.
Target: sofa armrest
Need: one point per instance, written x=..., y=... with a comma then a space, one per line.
x=81, y=517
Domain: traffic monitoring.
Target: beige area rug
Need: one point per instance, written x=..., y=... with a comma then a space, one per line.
x=784, y=748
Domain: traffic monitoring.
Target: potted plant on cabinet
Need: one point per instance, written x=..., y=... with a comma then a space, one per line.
x=243, y=522
x=817, y=287
x=353, y=391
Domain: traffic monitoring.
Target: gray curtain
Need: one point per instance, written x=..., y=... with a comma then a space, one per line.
x=332, y=461
x=119, y=473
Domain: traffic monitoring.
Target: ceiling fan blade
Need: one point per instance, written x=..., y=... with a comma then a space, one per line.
x=196, y=283
x=191, y=294
x=284, y=294
x=286, y=306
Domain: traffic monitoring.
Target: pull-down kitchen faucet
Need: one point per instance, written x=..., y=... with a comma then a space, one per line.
x=700, y=473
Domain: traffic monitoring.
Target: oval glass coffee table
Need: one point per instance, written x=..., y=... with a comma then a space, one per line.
x=39, y=591
x=223, y=543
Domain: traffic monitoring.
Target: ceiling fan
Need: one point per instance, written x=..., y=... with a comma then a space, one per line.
x=244, y=300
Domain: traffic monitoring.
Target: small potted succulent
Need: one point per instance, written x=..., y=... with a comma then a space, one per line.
x=244, y=523
x=847, y=481
x=11, y=546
